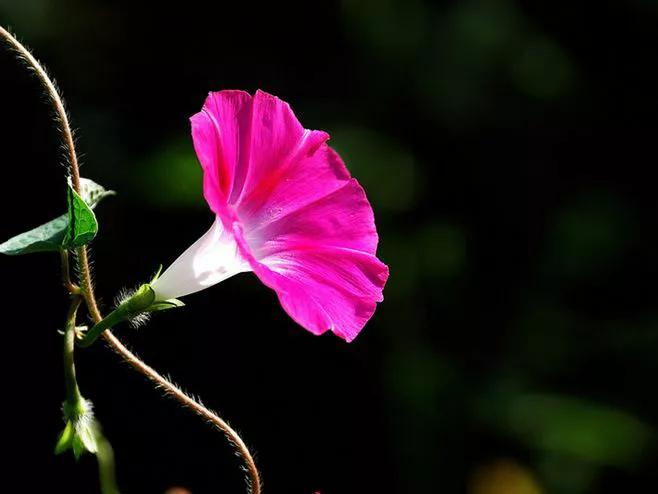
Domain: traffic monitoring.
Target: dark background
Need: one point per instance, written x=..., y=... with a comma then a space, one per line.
x=508, y=151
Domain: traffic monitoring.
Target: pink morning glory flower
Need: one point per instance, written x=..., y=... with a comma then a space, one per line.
x=285, y=208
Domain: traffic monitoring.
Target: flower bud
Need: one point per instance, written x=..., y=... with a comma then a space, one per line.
x=81, y=429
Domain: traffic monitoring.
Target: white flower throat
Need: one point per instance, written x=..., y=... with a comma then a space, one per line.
x=209, y=260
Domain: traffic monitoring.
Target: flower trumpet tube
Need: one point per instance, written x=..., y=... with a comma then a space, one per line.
x=287, y=209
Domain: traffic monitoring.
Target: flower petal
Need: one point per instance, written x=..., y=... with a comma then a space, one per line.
x=274, y=134
x=258, y=158
x=329, y=288
x=221, y=133
x=342, y=218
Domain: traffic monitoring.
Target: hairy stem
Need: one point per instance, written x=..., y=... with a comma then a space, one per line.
x=55, y=100
x=71, y=287
x=82, y=258
x=170, y=389
x=73, y=396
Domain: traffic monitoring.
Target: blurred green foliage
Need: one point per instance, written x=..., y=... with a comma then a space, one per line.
x=170, y=177
x=386, y=170
x=589, y=235
x=581, y=430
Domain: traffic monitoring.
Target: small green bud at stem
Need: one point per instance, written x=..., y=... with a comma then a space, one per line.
x=143, y=300
x=137, y=303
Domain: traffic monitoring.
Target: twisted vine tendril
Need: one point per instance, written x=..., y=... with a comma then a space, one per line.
x=86, y=285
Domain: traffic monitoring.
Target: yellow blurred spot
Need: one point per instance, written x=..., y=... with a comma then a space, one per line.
x=177, y=490
x=503, y=477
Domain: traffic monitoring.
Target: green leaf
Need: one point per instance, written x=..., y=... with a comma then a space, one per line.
x=73, y=229
x=93, y=193
x=82, y=225
x=44, y=238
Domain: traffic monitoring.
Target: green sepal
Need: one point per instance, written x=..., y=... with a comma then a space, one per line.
x=143, y=300
x=65, y=441
x=156, y=275
x=172, y=303
x=84, y=439
x=158, y=305
x=81, y=431
x=73, y=229
x=139, y=301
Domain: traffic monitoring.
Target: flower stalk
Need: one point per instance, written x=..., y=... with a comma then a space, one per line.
x=81, y=428
x=73, y=397
x=71, y=287
x=82, y=432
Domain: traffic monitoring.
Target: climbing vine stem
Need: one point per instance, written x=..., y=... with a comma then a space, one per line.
x=85, y=276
